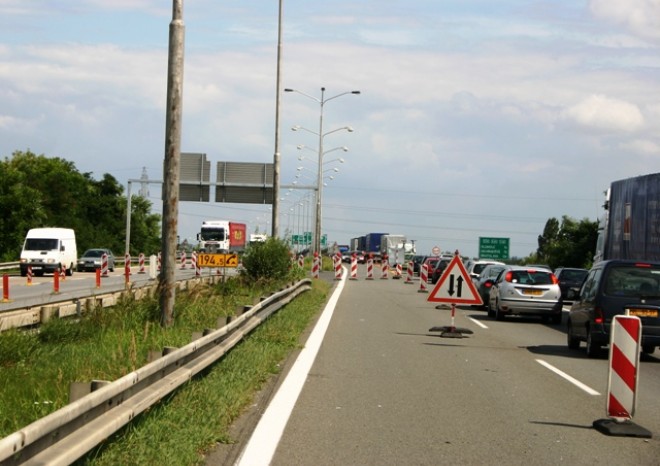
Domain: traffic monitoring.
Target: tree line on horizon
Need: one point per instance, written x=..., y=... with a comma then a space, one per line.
x=38, y=191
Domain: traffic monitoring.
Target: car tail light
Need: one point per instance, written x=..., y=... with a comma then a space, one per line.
x=488, y=284
x=599, y=317
x=509, y=277
x=555, y=280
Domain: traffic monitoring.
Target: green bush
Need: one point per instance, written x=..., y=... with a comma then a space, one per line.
x=270, y=260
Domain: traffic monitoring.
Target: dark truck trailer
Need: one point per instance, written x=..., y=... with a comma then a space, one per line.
x=630, y=228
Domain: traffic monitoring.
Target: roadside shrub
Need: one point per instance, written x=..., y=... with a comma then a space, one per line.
x=269, y=260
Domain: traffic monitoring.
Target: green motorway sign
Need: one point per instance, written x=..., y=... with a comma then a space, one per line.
x=493, y=248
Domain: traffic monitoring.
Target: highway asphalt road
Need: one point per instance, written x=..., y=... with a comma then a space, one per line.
x=384, y=390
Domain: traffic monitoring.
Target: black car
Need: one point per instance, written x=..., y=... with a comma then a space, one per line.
x=612, y=288
x=417, y=263
x=440, y=267
x=569, y=277
x=92, y=260
x=485, y=280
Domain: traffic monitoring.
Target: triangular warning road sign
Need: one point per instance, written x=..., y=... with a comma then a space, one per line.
x=455, y=286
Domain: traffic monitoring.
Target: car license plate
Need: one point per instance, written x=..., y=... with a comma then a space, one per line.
x=643, y=312
x=533, y=292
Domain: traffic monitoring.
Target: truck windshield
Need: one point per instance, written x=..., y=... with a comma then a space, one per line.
x=213, y=234
x=41, y=244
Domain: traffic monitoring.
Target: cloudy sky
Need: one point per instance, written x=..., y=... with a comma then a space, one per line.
x=475, y=119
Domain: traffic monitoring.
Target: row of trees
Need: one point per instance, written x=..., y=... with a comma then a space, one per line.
x=39, y=191
x=569, y=243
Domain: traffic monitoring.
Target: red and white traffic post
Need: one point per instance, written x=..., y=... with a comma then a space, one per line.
x=316, y=265
x=385, y=267
x=625, y=345
x=370, y=267
x=141, y=263
x=423, y=278
x=354, y=266
x=337, y=265
x=104, y=264
x=409, y=273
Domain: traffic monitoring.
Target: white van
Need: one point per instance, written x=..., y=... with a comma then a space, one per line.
x=46, y=250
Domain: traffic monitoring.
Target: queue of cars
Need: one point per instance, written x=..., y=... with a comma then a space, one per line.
x=609, y=288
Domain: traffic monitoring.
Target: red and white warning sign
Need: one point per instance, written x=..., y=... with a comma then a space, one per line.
x=455, y=286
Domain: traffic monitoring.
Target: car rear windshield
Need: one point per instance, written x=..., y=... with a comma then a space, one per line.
x=574, y=275
x=532, y=277
x=633, y=280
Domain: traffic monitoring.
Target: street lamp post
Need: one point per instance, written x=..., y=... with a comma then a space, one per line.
x=321, y=135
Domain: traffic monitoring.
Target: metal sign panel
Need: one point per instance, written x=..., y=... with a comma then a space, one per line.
x=194, y=177
x=244, y=182
x=217, y=260
x=494, y=248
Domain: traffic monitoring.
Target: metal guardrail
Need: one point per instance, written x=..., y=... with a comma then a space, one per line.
x=67, y=434
x=9, y=265
x=27, y=315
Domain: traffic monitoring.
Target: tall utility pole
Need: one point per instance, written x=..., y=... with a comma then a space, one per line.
x=167, y=283
x=276, y=157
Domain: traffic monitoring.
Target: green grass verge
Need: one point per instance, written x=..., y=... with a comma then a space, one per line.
x=36, y=370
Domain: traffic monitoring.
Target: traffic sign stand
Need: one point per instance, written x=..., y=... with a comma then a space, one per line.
x=454, y=287
x=451, y=331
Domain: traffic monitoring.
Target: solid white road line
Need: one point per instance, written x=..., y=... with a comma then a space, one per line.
x=574, y=381
x=265, y=438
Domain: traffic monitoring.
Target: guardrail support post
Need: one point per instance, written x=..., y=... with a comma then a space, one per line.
x=78, y=390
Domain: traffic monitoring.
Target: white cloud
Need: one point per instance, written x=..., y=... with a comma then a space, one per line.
x=603, y=113
x=643, y=147
x=642, y=17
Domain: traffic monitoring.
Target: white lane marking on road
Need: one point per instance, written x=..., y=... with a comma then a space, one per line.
x=478, y=323
x=265, y=438
x=574, y=381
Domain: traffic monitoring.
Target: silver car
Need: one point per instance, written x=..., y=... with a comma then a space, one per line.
x=523, y=290
x=92, y=260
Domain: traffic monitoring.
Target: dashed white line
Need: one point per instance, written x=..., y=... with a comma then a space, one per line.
x=479, y=323
x=573, y=380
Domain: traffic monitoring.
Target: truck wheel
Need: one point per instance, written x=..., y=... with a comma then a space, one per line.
x=69, y=271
